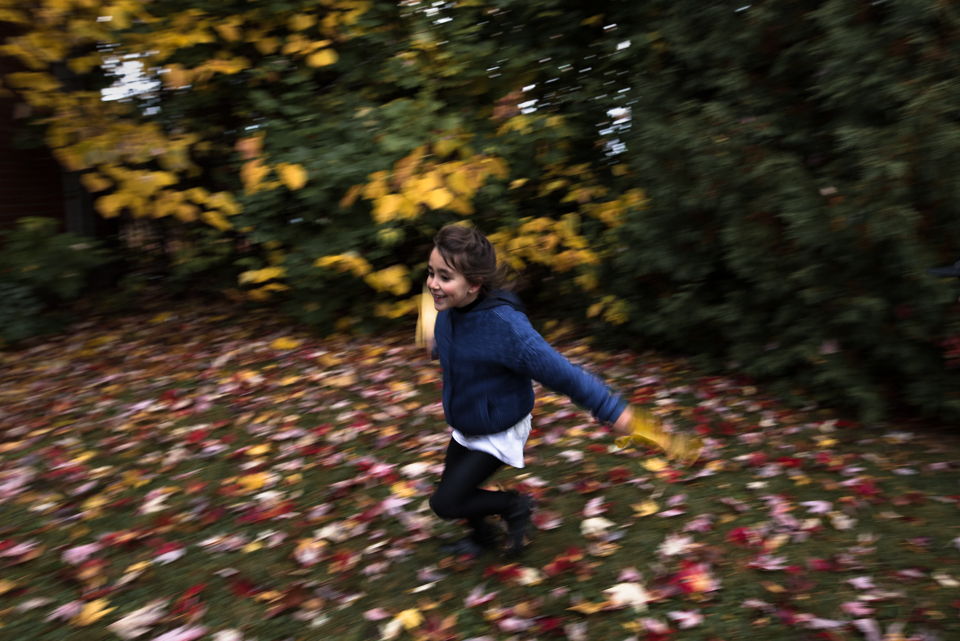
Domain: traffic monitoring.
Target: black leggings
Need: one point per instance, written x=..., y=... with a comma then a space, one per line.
x=458, y=497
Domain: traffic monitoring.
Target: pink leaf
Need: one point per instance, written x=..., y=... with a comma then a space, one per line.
x=862, y=583
x=477, y=597
x=183, y=633
x=857, y=609
x=686, y=619
x=79, y=554
x=869, y=628
x=376, y=614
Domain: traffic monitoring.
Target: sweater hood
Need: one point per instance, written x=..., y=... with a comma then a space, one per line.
x=499, y=297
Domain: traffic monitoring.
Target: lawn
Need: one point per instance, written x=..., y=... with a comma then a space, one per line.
x=204, y=474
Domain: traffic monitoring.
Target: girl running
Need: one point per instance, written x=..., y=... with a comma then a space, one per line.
x=490, y=356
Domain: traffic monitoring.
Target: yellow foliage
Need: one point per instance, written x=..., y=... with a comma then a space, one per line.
x=393, y=206
x=345, y=262
x=94, y=182
x=398, y=309
x=214, y=219
x=351, y=196
x=395, y=279
x=225, y=202
x=439, y=198
x=109, y=206
x=446, y=146
x=33, y=80
x=294, y=176
x=185, y=212
x=261, y=275
x=92, y=612
x=252, y=174
x=410, y=619
x=323, y=58
x=176, y=76
x=301, y=21
x=284, y=342
x=457, y=182
x=229, y=30
x=268, y=45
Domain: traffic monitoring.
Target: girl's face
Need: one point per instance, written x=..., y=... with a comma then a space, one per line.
x=449, y=287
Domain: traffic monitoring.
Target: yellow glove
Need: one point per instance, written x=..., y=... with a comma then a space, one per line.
x=426, y=319
x=647, y=428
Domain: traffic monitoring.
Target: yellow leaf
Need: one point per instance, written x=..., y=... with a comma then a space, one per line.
x=214, y=219
x=253, y=546
x=84, y=64
x=138, y=567
x=267, y=46
x=252, y=482
x=261, y=275
x=252, y=174
x=228, y=32
x=301, y=21
x=294, y=176
x=394, y=279
x=284, y=343
x=646, y=508
x=402, y=490
x=92, y=612
x=260, y=450
x=345, y=262
x=351, y=196
x=392, y=206
x=655, y=464
x=519, y=182
x=176, y=76
x=445, y=146
x=773, y=587
x=323, y=58
x=410, y=619
x=457, y=182
x=585, y=607
x=109, y=206
x=95, y=182
x=36, y=80
x=225, y=202
x=438, y=198
x=7, y=585
x=185, y=212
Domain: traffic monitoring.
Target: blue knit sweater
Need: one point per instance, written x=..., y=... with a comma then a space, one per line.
x=491, y=354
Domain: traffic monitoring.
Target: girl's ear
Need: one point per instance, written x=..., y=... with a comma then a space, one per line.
x=474, y=287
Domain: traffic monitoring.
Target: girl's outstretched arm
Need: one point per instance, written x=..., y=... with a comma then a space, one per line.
x=623, y=425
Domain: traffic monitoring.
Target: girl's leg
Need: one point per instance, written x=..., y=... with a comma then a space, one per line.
x=458, y=495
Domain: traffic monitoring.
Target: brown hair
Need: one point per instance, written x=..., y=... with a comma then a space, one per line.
x=470, y=252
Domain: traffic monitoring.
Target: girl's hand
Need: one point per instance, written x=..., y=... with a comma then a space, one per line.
x=624, y=423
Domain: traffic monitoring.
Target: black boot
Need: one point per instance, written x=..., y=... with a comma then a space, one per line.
x=482, y=538
x=517, y=518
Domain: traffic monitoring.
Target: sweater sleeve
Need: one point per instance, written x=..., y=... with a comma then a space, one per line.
x=538, y=360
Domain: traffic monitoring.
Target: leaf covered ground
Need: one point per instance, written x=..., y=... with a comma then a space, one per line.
x=193, y=475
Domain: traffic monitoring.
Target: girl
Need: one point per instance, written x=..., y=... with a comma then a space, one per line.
x=490, y=355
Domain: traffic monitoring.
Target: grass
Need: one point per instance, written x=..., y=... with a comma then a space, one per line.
x=264, y=484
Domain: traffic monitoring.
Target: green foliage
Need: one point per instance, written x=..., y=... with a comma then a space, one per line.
x=40, y=268
x=802, y=186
